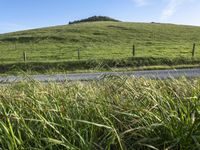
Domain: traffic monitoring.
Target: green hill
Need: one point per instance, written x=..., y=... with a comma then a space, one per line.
x=101, y=40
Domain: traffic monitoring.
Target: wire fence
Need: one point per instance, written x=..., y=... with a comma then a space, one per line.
x=17, y=52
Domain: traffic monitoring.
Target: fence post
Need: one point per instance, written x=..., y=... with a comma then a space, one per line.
x=15, y=45
x=78, y=54
x=133, y=52
x=24, y=56
x=193, y=50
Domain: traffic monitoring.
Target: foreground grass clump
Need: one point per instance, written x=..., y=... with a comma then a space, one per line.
x=116, y=113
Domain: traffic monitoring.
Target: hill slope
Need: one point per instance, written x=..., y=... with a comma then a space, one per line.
x=100, y=40
x=106, y=43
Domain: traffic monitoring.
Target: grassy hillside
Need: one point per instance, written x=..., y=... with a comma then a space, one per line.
x=100, y=40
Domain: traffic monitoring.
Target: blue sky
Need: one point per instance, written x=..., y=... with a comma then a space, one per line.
x=27, y=14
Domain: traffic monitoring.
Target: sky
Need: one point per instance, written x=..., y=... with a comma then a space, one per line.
x=18, y=15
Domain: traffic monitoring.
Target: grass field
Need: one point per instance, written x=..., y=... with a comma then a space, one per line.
x=100, y=41
x=116, y=113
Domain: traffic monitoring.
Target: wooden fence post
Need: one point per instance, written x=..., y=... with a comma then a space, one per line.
x=24, y=56
x=15, y=45
x=193, y=50
x=133, y=52
x=78, y=54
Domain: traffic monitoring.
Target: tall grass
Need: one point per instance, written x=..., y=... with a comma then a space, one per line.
x=116, y=113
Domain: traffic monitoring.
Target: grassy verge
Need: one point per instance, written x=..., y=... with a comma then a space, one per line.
x=116, y=113
x=137, y=63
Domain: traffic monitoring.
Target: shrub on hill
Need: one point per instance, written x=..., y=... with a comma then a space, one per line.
x=94, y=18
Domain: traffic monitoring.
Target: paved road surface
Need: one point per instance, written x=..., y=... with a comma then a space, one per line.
x=160, y=74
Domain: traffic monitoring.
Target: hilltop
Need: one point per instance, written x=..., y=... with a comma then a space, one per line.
x=94, y=19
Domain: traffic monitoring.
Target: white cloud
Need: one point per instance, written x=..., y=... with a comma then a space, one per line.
x=172, y=7
x=140, y=2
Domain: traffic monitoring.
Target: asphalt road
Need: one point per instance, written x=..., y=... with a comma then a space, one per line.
x=158, y=74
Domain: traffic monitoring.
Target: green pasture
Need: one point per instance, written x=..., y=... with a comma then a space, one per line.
x=100, y=40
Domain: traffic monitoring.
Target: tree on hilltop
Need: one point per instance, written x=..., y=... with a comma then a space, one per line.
x=94, y=19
